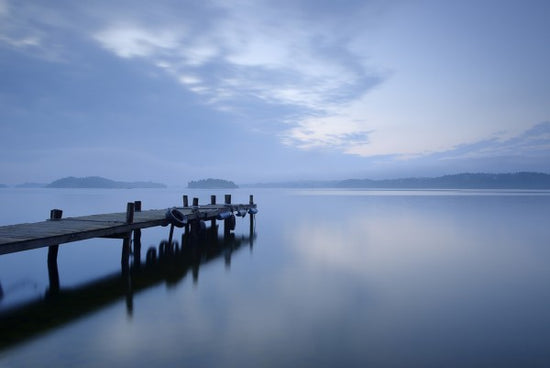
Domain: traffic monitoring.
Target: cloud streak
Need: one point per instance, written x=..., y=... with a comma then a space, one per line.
x=260, y=53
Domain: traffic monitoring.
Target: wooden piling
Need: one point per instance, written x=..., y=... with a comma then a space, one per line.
x=130, y=209
x=213, y=202
x=185, y=201
x=53, y=272
x=251, y=215
x=126, y=250
x=195, y=202
x=226, y=222
x=171, y=236
x=137, y=239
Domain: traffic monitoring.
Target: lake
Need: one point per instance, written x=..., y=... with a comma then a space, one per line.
x=347, y=278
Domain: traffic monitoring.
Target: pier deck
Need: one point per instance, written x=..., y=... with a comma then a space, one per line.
x=20, y=237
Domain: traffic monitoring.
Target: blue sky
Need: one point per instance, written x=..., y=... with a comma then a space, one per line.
x=255, y=91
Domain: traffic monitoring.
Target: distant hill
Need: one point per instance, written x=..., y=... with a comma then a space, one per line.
x=211, y=184
x=521, y=180
x=99, y=182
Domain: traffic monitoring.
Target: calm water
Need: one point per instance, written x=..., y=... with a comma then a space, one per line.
x=332, y=278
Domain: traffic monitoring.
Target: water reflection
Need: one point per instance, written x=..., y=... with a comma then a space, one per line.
x=170, y=264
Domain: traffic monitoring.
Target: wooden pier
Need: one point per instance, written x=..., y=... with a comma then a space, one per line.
x=58, y=230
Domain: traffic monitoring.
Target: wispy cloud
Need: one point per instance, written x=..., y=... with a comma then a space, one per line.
x=256, y=51
x=128, y=41
x=327, y=131
x=534, y=141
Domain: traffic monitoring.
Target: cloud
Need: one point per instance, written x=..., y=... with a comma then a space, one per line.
x=252, y=54
x=528, y=150
x=534, y=141
x=133, y=41
x=327, y=131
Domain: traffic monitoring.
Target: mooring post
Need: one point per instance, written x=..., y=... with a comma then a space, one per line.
x=226, y=222
x=195, y=202
x=53, y=272
x=124, y=260
x=213, y=202
x=130, y=209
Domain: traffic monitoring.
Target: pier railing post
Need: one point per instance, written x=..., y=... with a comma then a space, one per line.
x=185, y=201
x=53, y=272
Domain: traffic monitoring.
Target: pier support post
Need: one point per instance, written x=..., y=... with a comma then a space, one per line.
x=53, y=272
x=171, y=235
x=213, y=202
x=226, y=226
x=251, y=202
x=186, y=204
x=137, y=239
x=125, y=258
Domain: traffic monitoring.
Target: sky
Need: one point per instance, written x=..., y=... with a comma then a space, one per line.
x=260, y=91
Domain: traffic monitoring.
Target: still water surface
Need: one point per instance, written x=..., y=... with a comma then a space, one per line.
x=331, y=278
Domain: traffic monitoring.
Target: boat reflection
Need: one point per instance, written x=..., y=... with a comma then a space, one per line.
x=171, y=264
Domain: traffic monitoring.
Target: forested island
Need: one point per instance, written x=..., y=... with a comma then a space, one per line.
x=99, y=182
x=211, y=184
x=521, y=180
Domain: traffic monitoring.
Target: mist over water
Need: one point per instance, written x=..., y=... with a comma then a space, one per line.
x=333, y=278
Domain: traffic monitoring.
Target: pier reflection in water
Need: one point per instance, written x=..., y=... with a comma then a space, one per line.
x=169, y=263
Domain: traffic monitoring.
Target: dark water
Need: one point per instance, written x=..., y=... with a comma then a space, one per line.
x=332, y=278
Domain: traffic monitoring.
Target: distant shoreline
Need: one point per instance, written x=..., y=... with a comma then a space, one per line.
x=91, y=182
x=519, y=180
